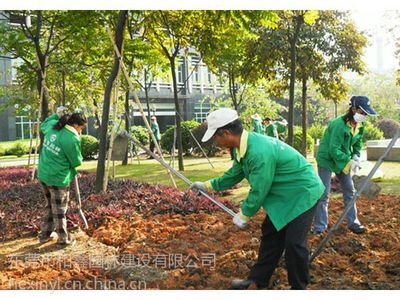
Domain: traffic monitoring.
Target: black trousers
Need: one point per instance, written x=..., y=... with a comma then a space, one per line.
x=152, y=145
x=293, y=240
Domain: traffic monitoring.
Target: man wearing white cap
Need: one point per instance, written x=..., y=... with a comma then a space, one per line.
x=282, y=182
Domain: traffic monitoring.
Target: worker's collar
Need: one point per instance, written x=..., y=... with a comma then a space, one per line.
x=241, y=151
x=354, y=129
x=73, y=130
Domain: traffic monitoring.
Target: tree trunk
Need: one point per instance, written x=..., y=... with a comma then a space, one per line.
x=127, y=125
x=146, y=93
x=177, y=116
x=106, y=105
x=293, y=55
x=335, y=102
x=64, y=95
x=304, y=115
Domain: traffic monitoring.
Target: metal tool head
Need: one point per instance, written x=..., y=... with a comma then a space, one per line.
x=370, y=191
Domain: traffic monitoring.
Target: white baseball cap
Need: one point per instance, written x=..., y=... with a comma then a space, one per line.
x=217, y=119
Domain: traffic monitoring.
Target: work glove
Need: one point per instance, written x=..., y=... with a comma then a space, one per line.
x=61, y=110
x=198, y=186
x=240, y=220
x=355, y=164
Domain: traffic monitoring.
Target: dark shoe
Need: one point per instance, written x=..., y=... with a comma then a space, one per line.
x=68, y=242
x=359, y=229
x=317, y=232
x=150, y=157
x=44, y=239
x=241, y=284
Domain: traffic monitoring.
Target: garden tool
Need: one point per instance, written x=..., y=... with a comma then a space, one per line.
x=370, y=191
x=78, y=200
x=363, y=185
x=162, y=162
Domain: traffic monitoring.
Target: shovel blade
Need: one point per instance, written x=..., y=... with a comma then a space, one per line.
x=370, y=191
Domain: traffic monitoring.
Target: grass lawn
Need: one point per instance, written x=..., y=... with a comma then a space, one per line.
x=198, y=169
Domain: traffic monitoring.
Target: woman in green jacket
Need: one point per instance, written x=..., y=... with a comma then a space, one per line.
x=339, y=153
x=256, y=122
x=282, y=183
x=59, y=157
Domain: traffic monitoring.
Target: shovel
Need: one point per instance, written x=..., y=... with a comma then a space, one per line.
x=181, y=176
x=78, y=200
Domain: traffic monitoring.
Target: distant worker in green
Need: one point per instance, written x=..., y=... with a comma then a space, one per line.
x=156, y=131
x=270, y=128
x=257, y=124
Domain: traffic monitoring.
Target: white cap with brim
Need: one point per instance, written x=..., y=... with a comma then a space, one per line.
x=217, y=119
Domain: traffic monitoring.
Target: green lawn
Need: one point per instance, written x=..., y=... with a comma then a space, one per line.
x=198, y=169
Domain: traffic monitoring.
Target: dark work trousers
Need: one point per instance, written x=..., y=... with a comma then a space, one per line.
x=152, y=145
x=293, y=240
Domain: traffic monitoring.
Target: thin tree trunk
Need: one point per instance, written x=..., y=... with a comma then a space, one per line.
x=304, y=115
x=293, y=56
x=64, y=95
x=106, y=105
x=127, y=125
x=177, y=116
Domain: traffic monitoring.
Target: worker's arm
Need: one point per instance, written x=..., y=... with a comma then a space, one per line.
x=233, y=176
x=261, y=174
x=72, y=151
x=335, y=149
x=48, y=124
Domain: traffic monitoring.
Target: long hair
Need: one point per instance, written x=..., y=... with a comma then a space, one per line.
x=349, y=116
x=70, y=119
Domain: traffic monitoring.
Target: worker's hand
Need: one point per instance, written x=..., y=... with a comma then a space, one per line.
x=61, y=110
x=240, y=220
x=355, y=164
x=198, y=186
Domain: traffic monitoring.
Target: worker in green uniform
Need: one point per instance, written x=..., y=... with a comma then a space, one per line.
x=257, y=124
x=58, y=160
x=270, y=128
x=339, y=153
x=281, y=128
x=282, y=182
x=156, y=131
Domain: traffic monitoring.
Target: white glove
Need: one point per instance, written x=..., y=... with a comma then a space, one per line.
x=61, y=110
x=355, y=164
x=240, y=220
x=198, y=186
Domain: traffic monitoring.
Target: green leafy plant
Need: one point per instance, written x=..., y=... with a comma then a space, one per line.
x=89, y=146
x=140, y=134
x=297, y=140
x=18, y=149
x=316, y=131
x=167, y=139
x=209, y=147
x=372, y=132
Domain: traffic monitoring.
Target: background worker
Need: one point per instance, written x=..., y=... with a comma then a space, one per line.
x=339, y=153
x=58, y=160
x=282, y=182
x=281, y=126
x=156, y=131
x=270, y=128
x=256, y=122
